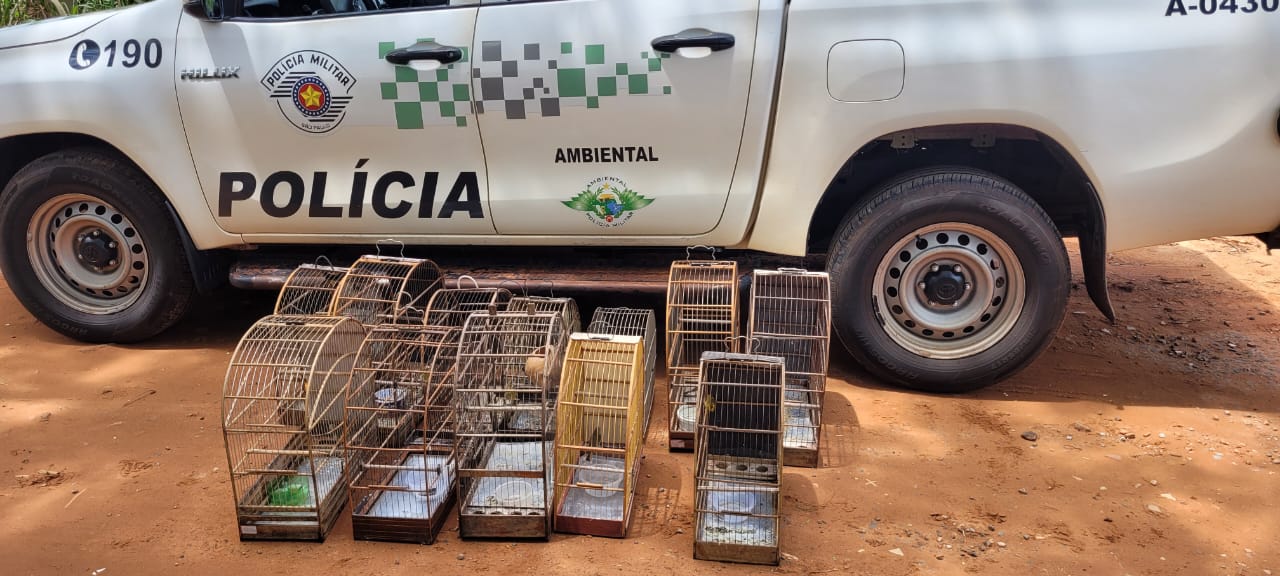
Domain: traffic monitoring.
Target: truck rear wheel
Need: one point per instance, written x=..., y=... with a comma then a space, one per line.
x=87, y=246
x=948, y=280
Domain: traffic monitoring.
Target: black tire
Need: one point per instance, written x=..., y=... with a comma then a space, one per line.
x=142, y=282
x=912, y=317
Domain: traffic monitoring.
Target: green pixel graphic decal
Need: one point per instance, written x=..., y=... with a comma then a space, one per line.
x=539, y=80
x=438, y=97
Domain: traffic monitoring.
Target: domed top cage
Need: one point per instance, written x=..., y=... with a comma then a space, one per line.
x=451, y=306
x=399, y=431
x=310, y=289
x=507, y=379
x=567, y=308
x=282, y=412
x=632, y=322
x=387, y=289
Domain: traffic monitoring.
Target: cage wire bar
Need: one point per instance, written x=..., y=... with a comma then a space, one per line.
x=310, y=289
x=790, y=317
x=506, y=381
x=282, y=412
x=386, y=289
x=702, y=316
x=451, y=306
x=567, y=308
x=399, y=433
x=739, y=458
x=599, y=434
x=633, y=322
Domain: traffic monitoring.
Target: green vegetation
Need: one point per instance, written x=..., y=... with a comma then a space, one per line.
x=19, y=11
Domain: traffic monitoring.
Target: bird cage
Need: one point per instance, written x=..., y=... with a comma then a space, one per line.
x=399, y=432
x=309, y=290
x=506, y=380
x=451, y=306
x=566, y=307
x=599, y=434
x=381, y=289
x=739, y=458
x=282, y=411
x=633, y=322
x=790, y=317
x=682, y=408
x=702, y=315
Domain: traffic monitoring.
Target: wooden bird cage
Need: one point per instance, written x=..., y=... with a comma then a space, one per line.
x=790, y=317
x=399, y=433
x=387, y=289
x=310, y=289
x=682, y=409
x=567, y=308
x=702, y=316
x=739, y=458
x=451, y=306
x=633, y=322
x=282, y=410
x=506, y=381
x=599, y=434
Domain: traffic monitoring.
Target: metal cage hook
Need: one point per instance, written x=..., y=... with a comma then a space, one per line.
x=378, y=245
x=474, y=283
x=688, y=251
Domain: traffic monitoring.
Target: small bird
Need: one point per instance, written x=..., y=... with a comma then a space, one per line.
x=534, y=366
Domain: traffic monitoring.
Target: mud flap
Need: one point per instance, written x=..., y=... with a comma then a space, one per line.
x=1093, y=256
x=208, y=267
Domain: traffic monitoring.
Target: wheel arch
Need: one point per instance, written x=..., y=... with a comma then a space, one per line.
x=208, y=267
x=1032, y=160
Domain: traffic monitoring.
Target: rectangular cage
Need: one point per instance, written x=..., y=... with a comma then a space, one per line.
x=310, y=289
x=451, y=306
x=632, y=322
x=702, y=316
x=282, y=412
x=387, y=289
x=506, y=381
x=399, y=433
x=682, y=408
x=739, y=458
x=599, y=434
x=790, y=317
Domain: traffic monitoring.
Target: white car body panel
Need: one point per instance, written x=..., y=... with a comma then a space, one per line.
x=1173, y=118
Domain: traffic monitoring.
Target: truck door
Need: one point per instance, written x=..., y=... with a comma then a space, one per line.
x=352, y=121
x=612, y=117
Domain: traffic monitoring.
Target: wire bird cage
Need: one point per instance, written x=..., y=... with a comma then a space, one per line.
x=702, y=315
x=790, y=318
x=310, y=289
x=739, y=458
x=383, y=289
x=282, y=410
x=506, y=381
x=399, y=433
x=451, y=306
x=567, y=308
x=599, y=434
x=633, y=322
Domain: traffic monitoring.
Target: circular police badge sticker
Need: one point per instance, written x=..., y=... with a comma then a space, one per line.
x=311, y=89
x=608, y=202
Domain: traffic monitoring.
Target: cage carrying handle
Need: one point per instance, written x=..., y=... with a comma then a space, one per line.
x=400, y=309
x=523, y=285
x=603, y=334
x=328, y=263
x=688, y=251
x=752, y=343
x=474, y=283
x=785, y=270
x=378, y=245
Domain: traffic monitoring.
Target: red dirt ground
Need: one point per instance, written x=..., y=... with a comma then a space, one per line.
x=1158, y=453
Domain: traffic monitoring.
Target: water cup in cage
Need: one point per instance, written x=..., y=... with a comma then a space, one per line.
x=732, y=507
x=389, y=399
x=602, y=482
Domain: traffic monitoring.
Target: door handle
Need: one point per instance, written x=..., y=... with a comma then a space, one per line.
x=425, y=51
x=694, y=38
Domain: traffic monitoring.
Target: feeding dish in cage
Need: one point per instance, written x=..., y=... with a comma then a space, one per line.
x=687, y=417
x=607, y=480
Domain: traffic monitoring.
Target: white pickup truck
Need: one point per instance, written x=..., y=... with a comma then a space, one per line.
x=932, y=153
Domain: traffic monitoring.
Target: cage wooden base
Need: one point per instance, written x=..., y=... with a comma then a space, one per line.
x=504, y=527
x=739, y=553
x=680, y=442
x=408, y=530
x=300, y=530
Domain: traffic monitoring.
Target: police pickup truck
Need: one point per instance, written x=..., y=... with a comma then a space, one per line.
x=933, y=153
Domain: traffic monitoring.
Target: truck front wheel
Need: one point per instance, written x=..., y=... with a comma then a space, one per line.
x=948, y=280
x=87, y=245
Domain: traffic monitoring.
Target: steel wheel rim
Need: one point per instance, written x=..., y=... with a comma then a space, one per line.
x=949, y=290
x=87, y=254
